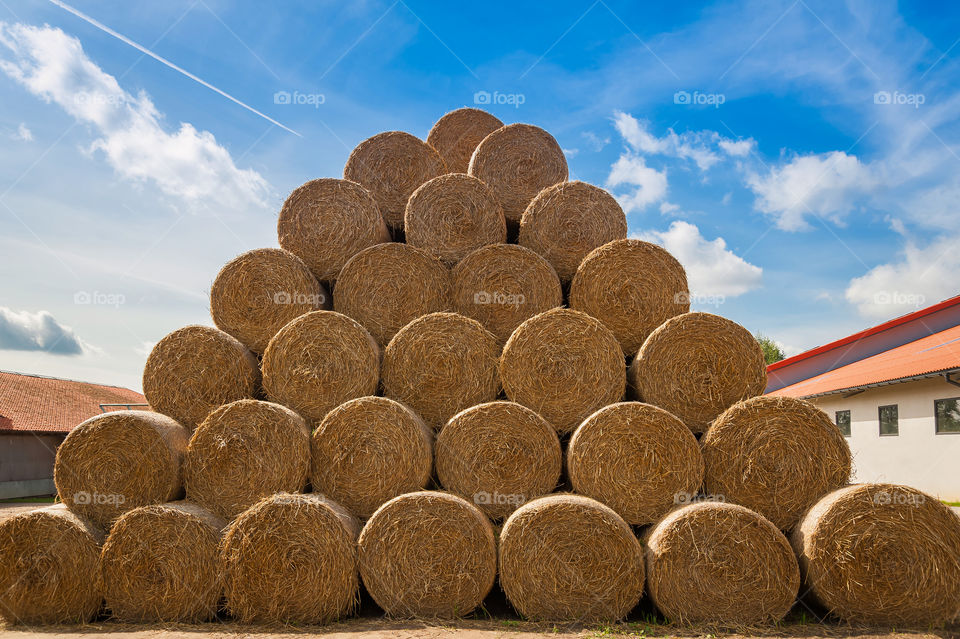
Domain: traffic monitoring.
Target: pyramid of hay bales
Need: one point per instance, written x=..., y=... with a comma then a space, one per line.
x=459, y=374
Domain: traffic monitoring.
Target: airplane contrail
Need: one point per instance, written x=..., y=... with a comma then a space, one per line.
x=143, y=49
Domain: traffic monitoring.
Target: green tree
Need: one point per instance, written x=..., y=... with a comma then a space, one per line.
x=771, y=350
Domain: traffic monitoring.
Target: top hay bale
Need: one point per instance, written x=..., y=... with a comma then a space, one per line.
x=775, y=455
x=564, y=365
x=386, y=287
x=258, y=292
x=118, y=461
x=325, y=222
x=48, y=562
x=632, y=287
x=457, y=134
x=391, y=166
x=882, y=554
x=318, y=361
x=566, y=221
x=697, y=365
x=195, y=369
x=452, y=215
x=517, y=162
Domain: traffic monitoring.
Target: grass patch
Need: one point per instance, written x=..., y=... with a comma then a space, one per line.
x=48, y=499
x=955, y=504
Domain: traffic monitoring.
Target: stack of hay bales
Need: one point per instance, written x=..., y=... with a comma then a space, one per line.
x=512, y=387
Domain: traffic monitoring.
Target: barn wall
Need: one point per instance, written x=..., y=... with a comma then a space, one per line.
x=26, y=464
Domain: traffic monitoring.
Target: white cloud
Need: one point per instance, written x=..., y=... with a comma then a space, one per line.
x=632, y=169
x=826, y=185
x=23, y=133
x=188, y=165
x=570, y=153
x=40, y=331
x=669, y=208
x=738, y=148
x=922, y=276
x=712, y=269
x=144, y=349
x=595, y=141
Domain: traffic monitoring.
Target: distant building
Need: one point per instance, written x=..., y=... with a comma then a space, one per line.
x=36, y=413
x=894, y=391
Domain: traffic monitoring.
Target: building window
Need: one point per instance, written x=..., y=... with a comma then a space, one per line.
x=889, y=420
x=843, y=422
x=947, y=413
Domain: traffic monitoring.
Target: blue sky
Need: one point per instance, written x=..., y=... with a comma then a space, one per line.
x=802, y=159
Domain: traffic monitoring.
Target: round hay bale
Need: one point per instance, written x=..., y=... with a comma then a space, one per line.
x=369, y=450
x=440, y=364
x=453, y=215
x=882, y=554
x=161, y=563
x=498, y=455
x=325, y=222
x=318, y=361
x=564, y=365
x=457, y=134
x=291, y=559
x=386, y=287
x=570, y=558
x=391, y=166
x=119, y=461
x=720, y=563
x=177, y=379
x=245, y=451
x=632, y=287
x=502, y=285
x=696, y=366
x=258, y=292
x=637, y=459
x=775, y=455
x=428, y=554
x=47, y=558
x=517, y=162
x=566, y=221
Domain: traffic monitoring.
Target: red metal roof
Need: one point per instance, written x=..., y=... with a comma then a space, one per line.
x=32, y=403
x=931, y=354
x=897, y=321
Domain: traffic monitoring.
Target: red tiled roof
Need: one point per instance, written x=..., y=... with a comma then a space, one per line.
x=931, y=354
x=47, y=404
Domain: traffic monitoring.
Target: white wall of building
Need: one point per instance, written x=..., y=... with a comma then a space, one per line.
x=918, y=456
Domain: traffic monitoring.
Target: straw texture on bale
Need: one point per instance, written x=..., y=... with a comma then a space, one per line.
x=388, y=286
x=498, y=455
x=391, y=166
x=517, y=162
x=566, y=221
x=882, y=554
x=696, y=366
x=369, y=450
x=258, y=292
x=720, y=563
x=119, y=461
x=636, y=458
x=47, y=560
x=502, y=285
x=195, y=369
x=291, y=559
x=452, y=215
x=318, y=361
x=632, y=287
x=325, y=222
x=440, y=364
x=570, y=558
x=428, y=554
x=244, y=451
x=564, y=365
x=775, y=455
x=457, y=134
x=161, y=563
